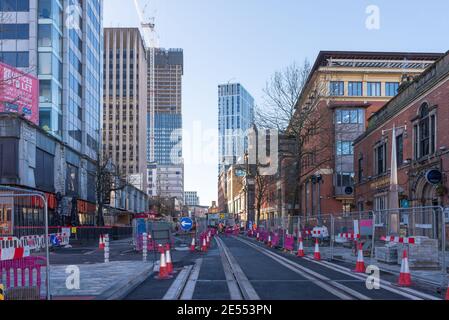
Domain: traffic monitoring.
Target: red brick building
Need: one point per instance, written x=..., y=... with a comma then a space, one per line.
x=421, y=113
x=351, y=86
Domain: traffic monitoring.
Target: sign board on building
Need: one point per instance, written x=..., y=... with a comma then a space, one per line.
x=19, y=93
x=434, y=176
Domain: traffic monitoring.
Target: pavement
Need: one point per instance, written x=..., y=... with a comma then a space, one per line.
x=104, y=281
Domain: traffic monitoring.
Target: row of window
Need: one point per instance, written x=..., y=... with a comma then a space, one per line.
x=424, y=144
x=14, y=5
x=19, y=31
x=15, y=59
x=355, y=88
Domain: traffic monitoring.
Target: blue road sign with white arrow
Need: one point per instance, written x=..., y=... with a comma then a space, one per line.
x=186, y=224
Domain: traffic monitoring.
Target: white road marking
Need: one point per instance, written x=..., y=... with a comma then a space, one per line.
x=311, y=275
x=189, y=289
x=414, y=295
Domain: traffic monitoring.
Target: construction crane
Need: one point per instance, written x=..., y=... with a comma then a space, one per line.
x=151, y=43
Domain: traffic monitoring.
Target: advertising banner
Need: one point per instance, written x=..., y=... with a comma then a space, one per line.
x=19, y=93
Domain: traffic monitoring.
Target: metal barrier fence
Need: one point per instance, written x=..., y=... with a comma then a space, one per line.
x=383, y=235
x=419, y=230
x=24, y=259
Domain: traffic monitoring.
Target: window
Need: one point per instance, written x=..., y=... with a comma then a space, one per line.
x=15, y=59
x=374, y=89
x=391, y=89
x=14, y=5
x=345, y=179
x=337, y=88
x=344, y=148
x=424, y=133
x=400, y=150
x=380, y=154
x=17, y=31
x=44, y=173
x=355, y=116
x=360, y=169
x=380, y=203
x=355, y=88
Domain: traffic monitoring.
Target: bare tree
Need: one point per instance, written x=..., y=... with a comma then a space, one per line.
x=109, y=179
x=292, y=106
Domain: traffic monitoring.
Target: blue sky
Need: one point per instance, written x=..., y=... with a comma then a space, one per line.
x=247, y=40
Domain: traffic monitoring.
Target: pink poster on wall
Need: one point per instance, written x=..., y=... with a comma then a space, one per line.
x=19, y=93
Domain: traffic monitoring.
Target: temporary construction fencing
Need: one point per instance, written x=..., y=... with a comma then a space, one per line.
x=24, y=258
x=382, y=235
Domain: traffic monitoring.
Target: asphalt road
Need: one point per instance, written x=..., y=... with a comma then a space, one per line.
x=238, y=268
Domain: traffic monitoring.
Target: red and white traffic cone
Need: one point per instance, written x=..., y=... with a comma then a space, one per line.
x=163, y=272
x=300, y=249
x=360, y=264
x=317, y=255
x=207, y=241
x=204, y=245
x=405, y=277
x=169, y=262
x=257, y=236
x=269, y=240
x=192, y=245
x=101, y=242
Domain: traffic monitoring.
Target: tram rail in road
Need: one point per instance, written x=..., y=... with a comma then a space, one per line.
x=238, y=284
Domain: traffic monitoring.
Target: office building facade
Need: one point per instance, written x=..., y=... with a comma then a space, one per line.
x=235, y=117
x=191, y=198
x=125, y=103
x=164, y=121
x=61, y=43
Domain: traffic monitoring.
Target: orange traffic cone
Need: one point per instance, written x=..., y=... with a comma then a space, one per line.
x=204, y=245
x=404, y=277
x=101, y=242
x=192, y=245
x=300, y=249
x=269, y=240
x=163, y=272
x=169, y=262
x=360, y=264
x=317, y=255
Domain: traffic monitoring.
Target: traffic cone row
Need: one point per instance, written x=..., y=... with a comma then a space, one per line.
x=300, y=249
x=360, y=264
x=404, y=277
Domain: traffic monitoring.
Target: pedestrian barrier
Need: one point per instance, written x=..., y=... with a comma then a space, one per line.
x=22, y=278
x=289, y=243
x=9, y=242
x=106, y=248
x=13, y=253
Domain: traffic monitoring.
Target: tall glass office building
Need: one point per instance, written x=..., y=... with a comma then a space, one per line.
x=235, y=117
x=61, y=42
